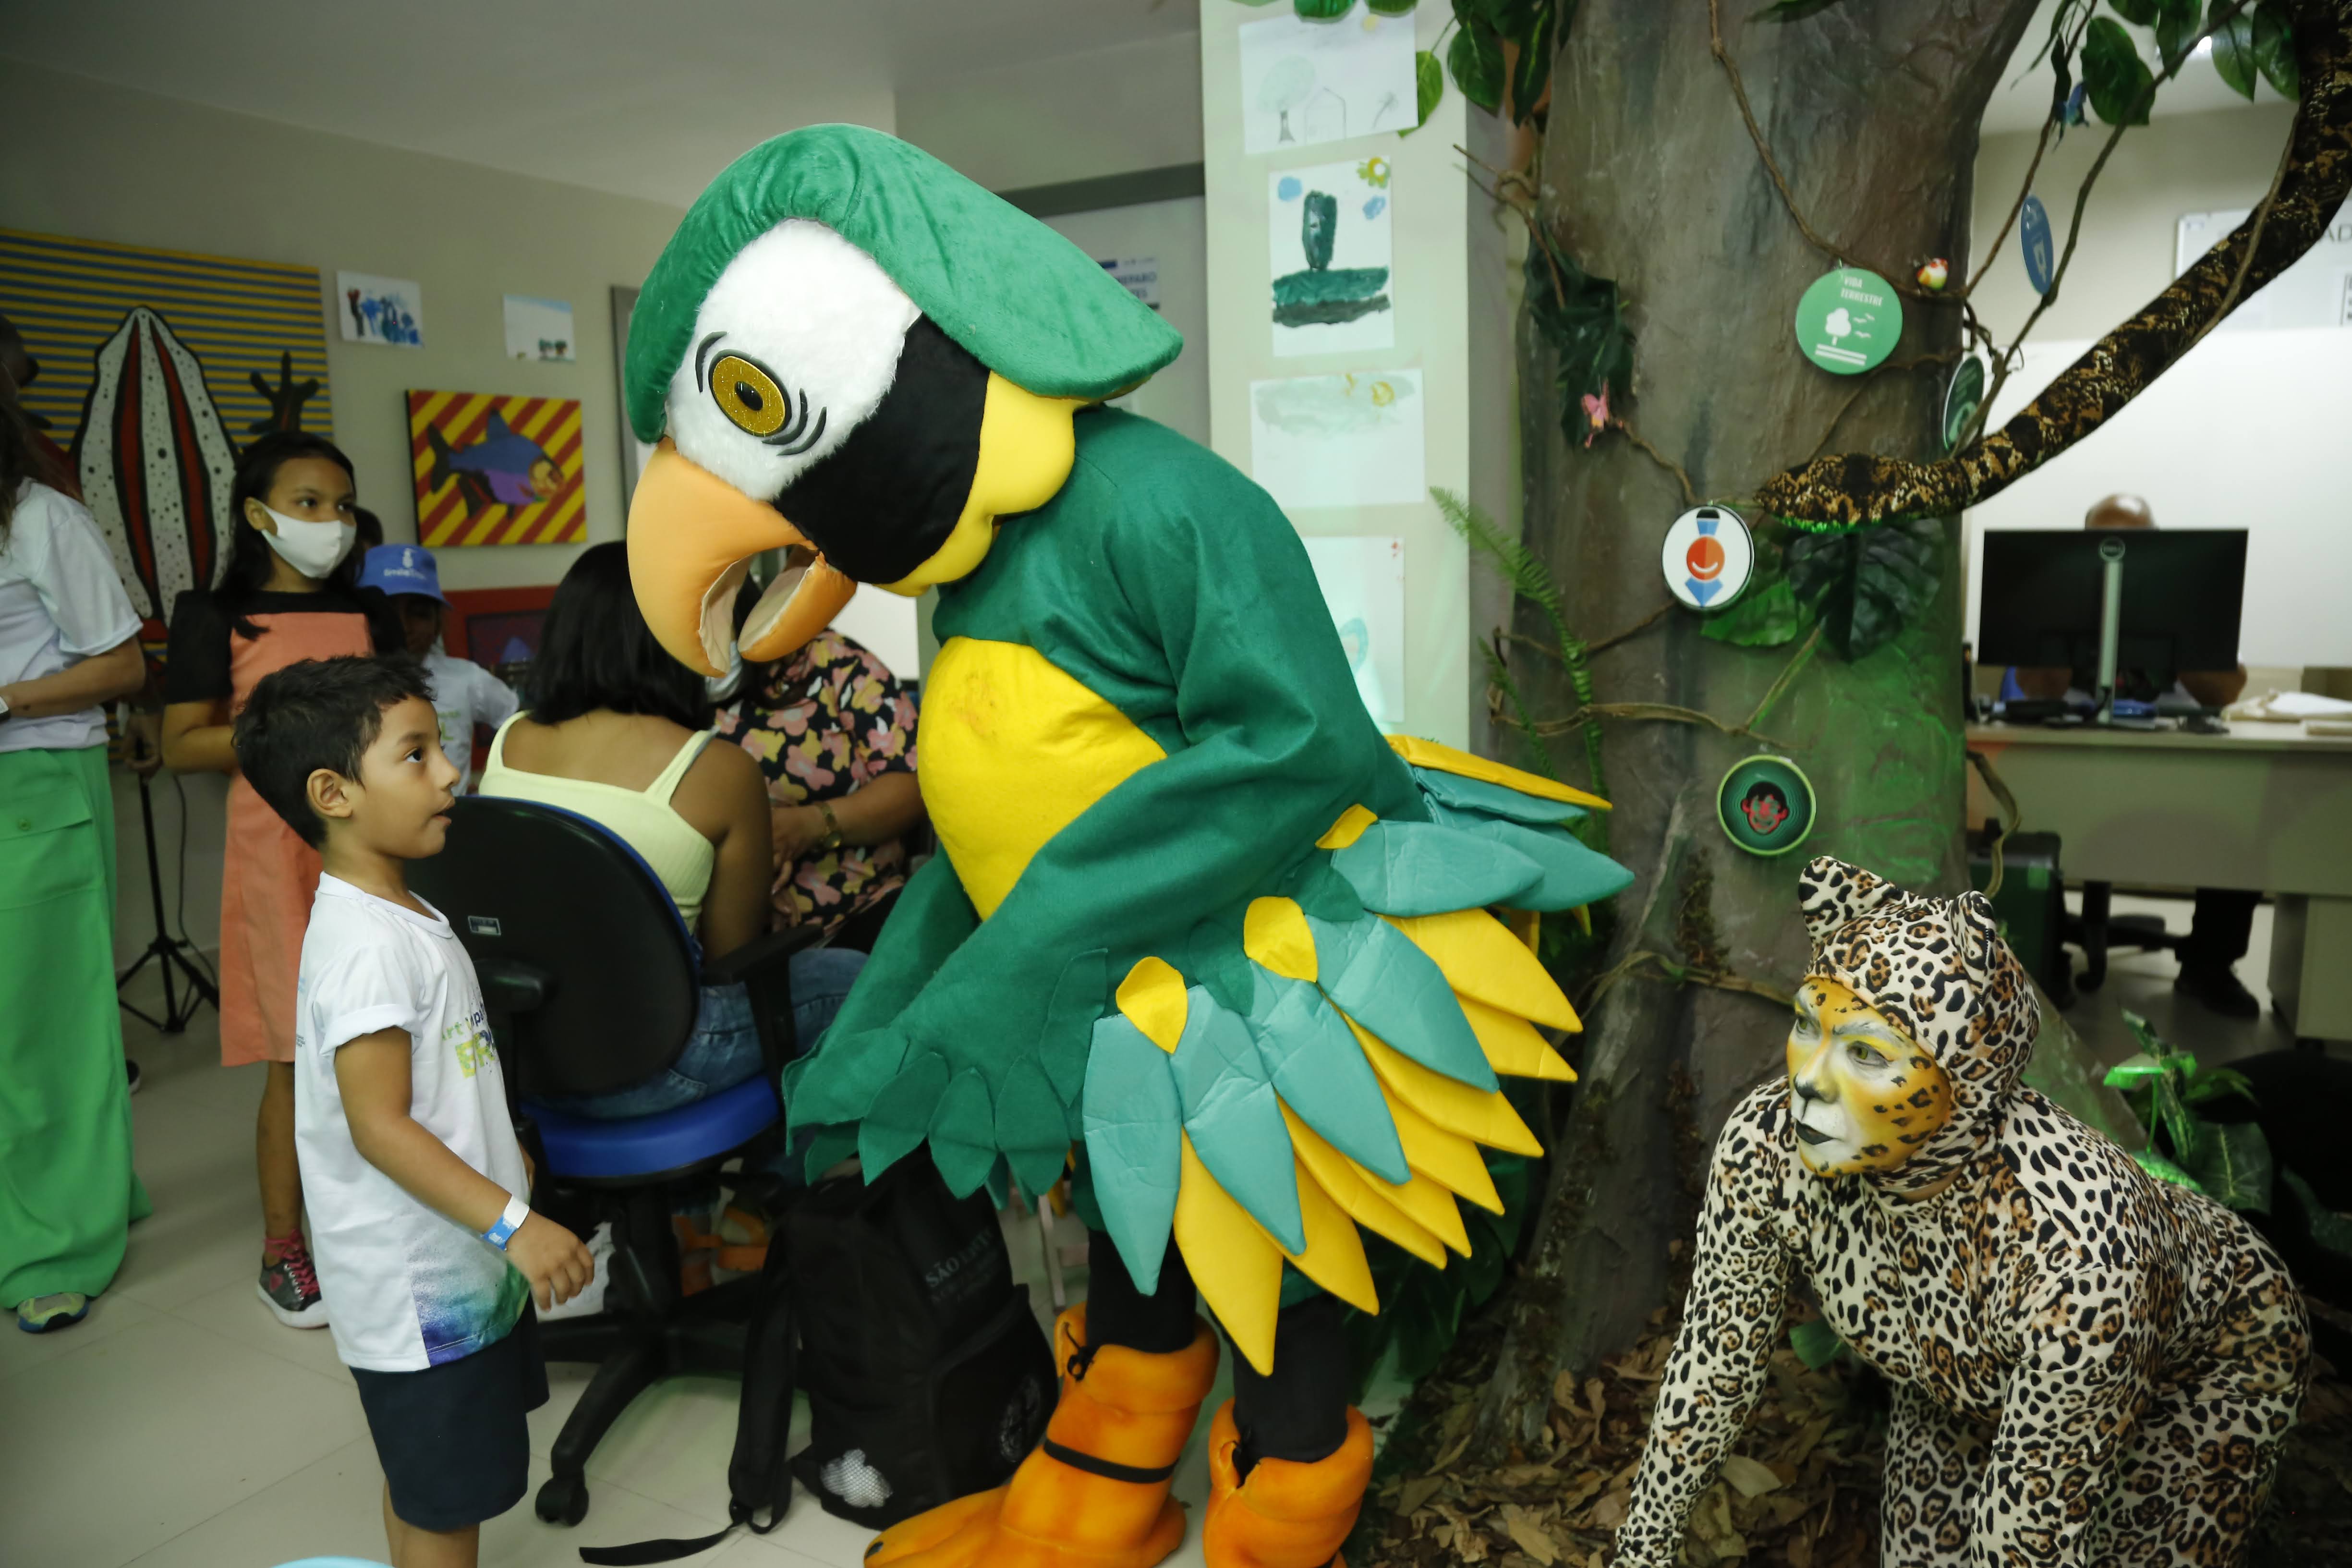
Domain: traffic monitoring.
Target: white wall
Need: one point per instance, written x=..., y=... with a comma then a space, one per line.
x=1175, y=235
x=2247, y=431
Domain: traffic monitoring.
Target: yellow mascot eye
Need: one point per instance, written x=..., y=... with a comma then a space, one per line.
x=748, y=396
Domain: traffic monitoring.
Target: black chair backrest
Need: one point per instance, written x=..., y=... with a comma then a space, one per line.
x=586, y=968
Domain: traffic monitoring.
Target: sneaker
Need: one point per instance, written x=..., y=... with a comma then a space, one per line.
x=130, y=1071
x=290, y=1286
x=46, y=1314
x=2217, y=987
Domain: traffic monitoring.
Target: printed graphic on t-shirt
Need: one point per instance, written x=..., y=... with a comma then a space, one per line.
x=464, y=1299
x=469, y=1040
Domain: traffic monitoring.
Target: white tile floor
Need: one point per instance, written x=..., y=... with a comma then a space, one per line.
x=180, y=1426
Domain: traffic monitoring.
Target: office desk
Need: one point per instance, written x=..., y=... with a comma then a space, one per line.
x=2265, y=807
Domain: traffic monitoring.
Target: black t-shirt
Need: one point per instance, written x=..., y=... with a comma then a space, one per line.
x=196, y=668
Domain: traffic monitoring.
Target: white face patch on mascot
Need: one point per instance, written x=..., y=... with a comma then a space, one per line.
x=794, y=347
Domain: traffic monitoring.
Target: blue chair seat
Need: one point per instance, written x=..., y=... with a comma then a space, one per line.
x=587, y=1149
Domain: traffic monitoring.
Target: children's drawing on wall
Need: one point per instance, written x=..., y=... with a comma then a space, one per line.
x=1363, y=579
x=1303, y=82
x=1353, y=439
x=496, y=471
x=1328, y=229
x=540, y=329
x=380, y=310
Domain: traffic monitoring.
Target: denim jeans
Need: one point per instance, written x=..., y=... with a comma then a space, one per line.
x=724, y=1049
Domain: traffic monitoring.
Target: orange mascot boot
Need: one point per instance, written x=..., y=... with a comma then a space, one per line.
x=1095, y=1495
x=1284, y=1514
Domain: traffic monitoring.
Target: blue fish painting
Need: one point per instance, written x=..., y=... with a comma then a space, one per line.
x=502, y=469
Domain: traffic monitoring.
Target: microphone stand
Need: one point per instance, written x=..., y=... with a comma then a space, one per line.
x=165, y=950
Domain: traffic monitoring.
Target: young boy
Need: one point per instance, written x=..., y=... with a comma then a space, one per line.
x=414, y=1179
x=463, y=693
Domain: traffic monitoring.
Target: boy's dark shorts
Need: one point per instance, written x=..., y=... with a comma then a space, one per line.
x=452, y=1441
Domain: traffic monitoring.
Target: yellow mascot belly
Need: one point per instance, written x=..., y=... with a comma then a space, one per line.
x=1012, y=750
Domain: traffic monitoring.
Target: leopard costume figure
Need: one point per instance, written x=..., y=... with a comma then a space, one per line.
x=2090, y=1365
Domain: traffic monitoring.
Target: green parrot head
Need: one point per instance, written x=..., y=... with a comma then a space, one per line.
x=849, y=346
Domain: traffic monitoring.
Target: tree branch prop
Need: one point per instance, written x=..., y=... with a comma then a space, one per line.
x=1860, y=489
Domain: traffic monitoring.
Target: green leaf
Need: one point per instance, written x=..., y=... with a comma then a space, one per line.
x=2233, y=1166
x=2122, y=86
x=1865, y=585
x=1790, y=10
x=1321, y=10
x=1765, y=616
x=2328, y=1228
x=1429, y=87
x=1816, y=1343
x=2132, y=1073
x=2274, y=49
x=2149, y=1040
x=2220, y=1084
x=1534, y=27
x=1584, y=320
x=1475, y=58
x=2186, y=1132
x=2138, y=13
x=2233, y=50
x=1392, y=7
x=2157, y=1165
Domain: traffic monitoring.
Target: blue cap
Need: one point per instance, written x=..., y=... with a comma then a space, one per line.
x=402, y=569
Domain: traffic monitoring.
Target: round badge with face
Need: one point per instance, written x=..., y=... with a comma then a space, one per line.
x=1766, y=805
x=1707, y=557
x=1863, y=1094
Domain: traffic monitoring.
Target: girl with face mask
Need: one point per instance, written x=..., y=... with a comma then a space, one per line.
x=287, y=594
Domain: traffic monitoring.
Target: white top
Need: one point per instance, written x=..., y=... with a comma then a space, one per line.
x=407, y=1288
x=60, y=602
x=465, y=695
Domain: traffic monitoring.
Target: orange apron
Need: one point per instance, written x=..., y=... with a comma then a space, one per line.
x=270, y=875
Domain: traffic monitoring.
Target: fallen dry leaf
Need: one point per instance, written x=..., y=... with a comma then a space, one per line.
x=1750, y=1477
x=1610, y=1511
x=1532, y=1538
x=1417, y=1492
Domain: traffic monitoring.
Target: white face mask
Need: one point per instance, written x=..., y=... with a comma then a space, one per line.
x=313, y=549
x=721, y=687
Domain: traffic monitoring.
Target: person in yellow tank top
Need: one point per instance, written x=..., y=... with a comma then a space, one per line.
x=615, y=730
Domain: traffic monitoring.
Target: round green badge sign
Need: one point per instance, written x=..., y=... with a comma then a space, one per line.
x=1962, y=398
x=1848, y=320
x=1766, y=805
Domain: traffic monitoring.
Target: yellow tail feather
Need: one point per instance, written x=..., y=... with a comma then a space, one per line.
x=1512, y=1045
x=1235, y=1265
x=1441, y=759
x=1482, y=959
x=1427, y=1204
x=1334, y=1258
x=1446, y=1158
x=1274, y=933
x=1365, y=1198
x=1152, y=999
x=1347, y=829
x=1480, y=1114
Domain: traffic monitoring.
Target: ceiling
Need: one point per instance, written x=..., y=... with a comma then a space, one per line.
x=2022, y=100
x=645, y=99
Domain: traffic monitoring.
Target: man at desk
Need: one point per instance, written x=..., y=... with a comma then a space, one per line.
x=2225, y=921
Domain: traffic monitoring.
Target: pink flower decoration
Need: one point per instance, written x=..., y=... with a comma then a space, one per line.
x=1596, y=415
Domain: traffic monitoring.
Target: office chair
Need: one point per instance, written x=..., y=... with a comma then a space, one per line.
x=2097, y=933
x=590, y=982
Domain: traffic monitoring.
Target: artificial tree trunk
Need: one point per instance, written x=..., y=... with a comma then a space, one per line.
x=1649, y=177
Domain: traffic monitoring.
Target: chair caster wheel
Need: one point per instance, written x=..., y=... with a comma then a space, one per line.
x=564, y=1500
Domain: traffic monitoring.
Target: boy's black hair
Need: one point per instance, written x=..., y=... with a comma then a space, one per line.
x=595, y=651
x=318, y=713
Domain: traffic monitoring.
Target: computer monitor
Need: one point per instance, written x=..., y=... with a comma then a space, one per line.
x=2182, y=592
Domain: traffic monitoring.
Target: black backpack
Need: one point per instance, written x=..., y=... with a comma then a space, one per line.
x=927, y=1376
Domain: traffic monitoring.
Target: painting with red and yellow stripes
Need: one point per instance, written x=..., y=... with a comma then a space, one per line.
x=496, y=470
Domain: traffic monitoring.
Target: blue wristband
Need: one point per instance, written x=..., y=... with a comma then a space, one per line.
x=509, y=1221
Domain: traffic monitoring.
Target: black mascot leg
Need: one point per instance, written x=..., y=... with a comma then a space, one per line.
x=1118, y=1314
x=1300, y=1412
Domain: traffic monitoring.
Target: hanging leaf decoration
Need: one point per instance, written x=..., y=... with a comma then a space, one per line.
x=1583, y=319
x=2122, y=86
x=1429, y=87
x=2274, y=49
x=2138, y=13
x=1766, y=616
x=1534, y=27
x=1322, y=10
x=2234, y=51
x=1867, y=585
x=2177, y=31
x=1391, y=8
x=1475, y=58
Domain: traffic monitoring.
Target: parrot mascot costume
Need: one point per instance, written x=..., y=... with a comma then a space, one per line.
x=1193, y=915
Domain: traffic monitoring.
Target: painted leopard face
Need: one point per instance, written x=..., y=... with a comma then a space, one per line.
x=1863, y=1094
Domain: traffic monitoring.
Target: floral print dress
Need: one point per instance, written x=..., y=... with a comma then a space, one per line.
x=823, y=725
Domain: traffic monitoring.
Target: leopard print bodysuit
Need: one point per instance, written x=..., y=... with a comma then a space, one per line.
x=2090, y=1365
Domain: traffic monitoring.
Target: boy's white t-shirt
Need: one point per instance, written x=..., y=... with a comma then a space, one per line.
x=465, y=695
x=406, y=1289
